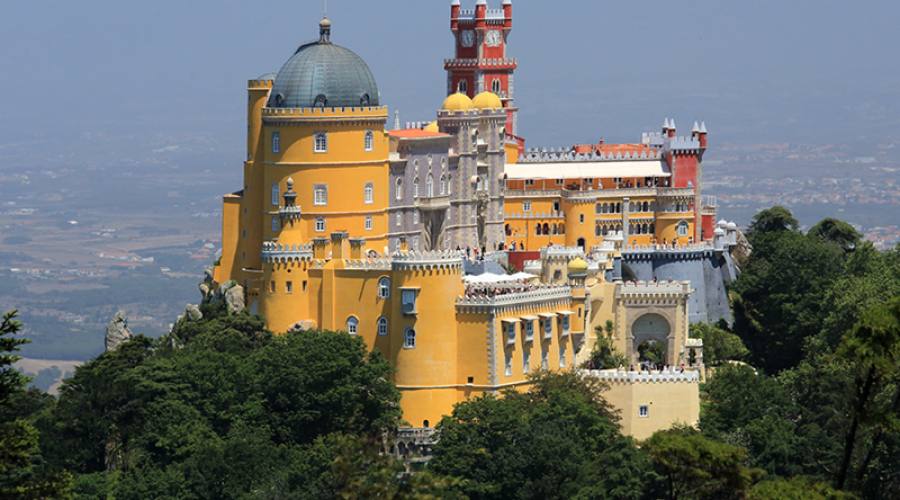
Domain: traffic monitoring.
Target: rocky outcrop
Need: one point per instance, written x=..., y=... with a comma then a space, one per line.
x=117, y=332
x=234, y=299
x=741, y=251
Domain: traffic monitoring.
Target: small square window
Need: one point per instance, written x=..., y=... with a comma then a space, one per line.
x=289, y=287
x=272, y=286
x=368, y=223
x=320, y=194
x=526, y=206
x=320, y=224
x=644, y=411
x=408, y=301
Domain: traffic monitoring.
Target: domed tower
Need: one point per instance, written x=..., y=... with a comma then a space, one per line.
x=318, y=123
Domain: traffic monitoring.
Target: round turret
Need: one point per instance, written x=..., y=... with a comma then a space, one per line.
x=578, y=266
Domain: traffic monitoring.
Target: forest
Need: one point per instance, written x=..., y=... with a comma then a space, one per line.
x=802, y=401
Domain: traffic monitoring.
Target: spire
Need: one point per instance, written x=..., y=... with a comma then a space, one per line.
x=666, y=124
x=703, y=128
x=325, y=30
x=696, y=128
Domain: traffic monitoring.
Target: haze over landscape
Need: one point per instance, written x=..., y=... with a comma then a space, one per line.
x=123, y=124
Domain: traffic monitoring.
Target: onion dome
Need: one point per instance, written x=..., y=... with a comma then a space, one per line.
x=487, y=100
x=432, y=127
x=578, y=266
x=457, y=102
x=322, y=74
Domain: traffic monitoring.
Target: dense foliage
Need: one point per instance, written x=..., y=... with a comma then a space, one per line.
x=802, y=400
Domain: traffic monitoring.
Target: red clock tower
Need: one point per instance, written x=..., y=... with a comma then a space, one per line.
x=481, y=63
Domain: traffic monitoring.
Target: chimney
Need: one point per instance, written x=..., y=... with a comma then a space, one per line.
x=507, y=14
x=481, y=13
x=319, y=245
x=338, y=242
x=701, y=134
x=356, y=248
x=454, y=15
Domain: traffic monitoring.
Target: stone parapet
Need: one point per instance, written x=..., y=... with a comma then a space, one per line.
x=652, y=377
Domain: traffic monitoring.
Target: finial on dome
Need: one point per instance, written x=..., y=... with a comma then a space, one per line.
x=325, y=30
x=290, y=183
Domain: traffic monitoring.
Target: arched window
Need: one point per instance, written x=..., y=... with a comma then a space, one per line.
x=495, y=86
x=652, y=229
x=429, y=185
x=382, y=326
x=276, y=142
x=618, y=208
x=443, y=185
x=463, y=86
x=369, y=142
x=321, y=143
x=546, y=228
x=321, y=101
x=645, y=229
x=646, y=207
x=508, y=230
x=276, y=194
x=384, y=288
x=479, y=186
x=409, y=339
x=398, y=192
x=352, y=325
x=598, y=230
x=369, y=193
x=562, y=229
x=416, y=187
x=683, y=228
x=537, y=229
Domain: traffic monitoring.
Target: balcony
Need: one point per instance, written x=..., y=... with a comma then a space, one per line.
x=433, y=203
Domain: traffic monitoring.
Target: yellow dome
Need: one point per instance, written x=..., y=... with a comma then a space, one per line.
x=487, y=100
x=457, y=102
x=432, y=127
x=578, y=265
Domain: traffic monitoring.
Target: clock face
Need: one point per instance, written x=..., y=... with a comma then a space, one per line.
x=493, y=38
x=468, y=38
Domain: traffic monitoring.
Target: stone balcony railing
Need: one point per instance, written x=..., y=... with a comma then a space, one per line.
x=649, y=288
x=558, y=155
x=433, y=203
x=276, y=252
x=596, y=194
x=448, y=259
x=651, y=249
x=543, y=294
x=655, y=376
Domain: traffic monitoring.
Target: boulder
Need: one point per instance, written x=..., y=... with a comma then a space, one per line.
x=192, y=312
x=234, y=299
x=117, y=331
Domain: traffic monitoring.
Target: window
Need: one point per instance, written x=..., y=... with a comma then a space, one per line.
x=581, y=218
x=382, y=327
x=644, y=411
x=369, y=193
x=399, y=219
x=320, y=224
x=384, y=288
x=443, y=185
x=398, y=191
x=289, y=287
x=369, y=141
x=510, y=333
x=526, y=361
x=545, y=359
x=408, y=301
x=562, y=355
x=548, y=328
x=508, y=364
x=275, y=224
x=415, y=243
x=564, y=324
x=321, y=143
x=529, y=182
x=368, y=223
x=429, y=185
x=320, y=194
x=276, y=142
x=409, y=339
x=682, y=228
x=556, y=206
x=495, y=86
x=559, y=182
x=526, y=206
x=415, y=217
x=272, y=286
x=463, y=86
x=276, y=194
x=352, y=325
x=416, y=187
x=528, y=326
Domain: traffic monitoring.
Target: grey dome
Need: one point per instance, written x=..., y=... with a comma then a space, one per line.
x=321, y=74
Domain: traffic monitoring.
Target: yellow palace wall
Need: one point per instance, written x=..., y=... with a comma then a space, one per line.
x=668, y=403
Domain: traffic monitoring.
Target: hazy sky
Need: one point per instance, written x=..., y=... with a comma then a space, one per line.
x=762, y=70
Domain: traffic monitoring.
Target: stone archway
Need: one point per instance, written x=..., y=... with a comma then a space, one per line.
x=650, y=334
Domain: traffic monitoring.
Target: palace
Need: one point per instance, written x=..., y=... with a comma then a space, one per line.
x=402, y=236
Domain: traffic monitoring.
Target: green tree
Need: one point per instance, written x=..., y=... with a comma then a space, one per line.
x=558, y=440
x=771, y=220
x=604, y=354
x=796, y=488
x=837, y=232
x=694, y=466
x=22, y=471
x=719, y=345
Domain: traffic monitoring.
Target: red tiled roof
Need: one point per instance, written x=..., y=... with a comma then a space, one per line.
x=415, y=133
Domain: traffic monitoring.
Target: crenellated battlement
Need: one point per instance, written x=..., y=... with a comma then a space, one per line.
x=273, y=252
x=667, y=375
x=540, y=294
x=447, y=259
x=557, y=155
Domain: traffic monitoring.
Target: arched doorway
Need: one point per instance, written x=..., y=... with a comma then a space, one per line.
x=650, y=335
x=581, y=243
